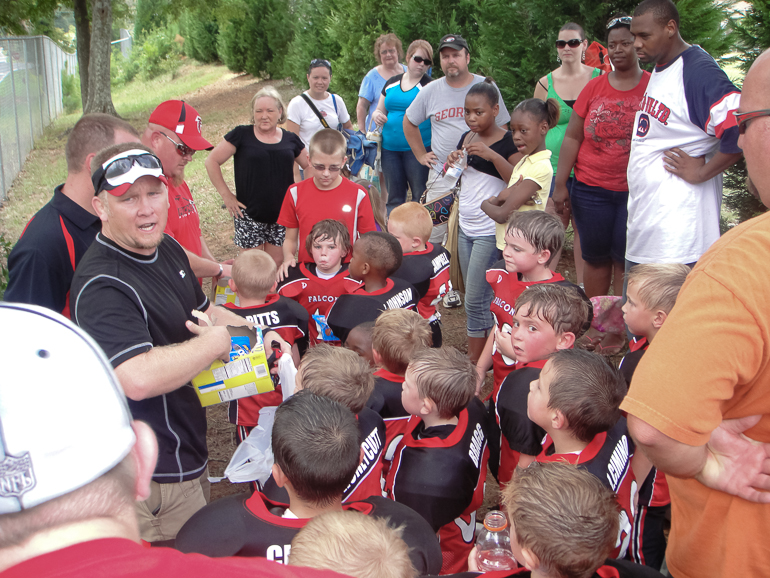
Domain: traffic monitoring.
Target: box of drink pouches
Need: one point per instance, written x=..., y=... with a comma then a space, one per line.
x=245, y=374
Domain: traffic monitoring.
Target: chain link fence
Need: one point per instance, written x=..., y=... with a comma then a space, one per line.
x=30, y=97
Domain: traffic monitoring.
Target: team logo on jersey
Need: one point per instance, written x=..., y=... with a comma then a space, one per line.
x=347, y=209
x=16, y=476
x=643, y=127
x=181, y=273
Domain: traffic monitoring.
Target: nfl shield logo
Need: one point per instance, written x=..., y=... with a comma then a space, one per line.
x=16, y=476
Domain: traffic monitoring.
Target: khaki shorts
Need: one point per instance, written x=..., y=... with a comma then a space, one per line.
x=169, y=506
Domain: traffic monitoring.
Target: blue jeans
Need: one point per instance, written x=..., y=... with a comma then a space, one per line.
x=476, y=255
x=400, y=168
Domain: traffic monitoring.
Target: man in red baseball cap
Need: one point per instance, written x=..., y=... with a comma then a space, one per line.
x=174, y=135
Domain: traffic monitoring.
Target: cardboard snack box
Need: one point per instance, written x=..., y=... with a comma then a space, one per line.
x=221, y=292
x=244, y=375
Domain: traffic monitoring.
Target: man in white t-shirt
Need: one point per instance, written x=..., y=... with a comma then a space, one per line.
x=684, y=137
x=443, y=101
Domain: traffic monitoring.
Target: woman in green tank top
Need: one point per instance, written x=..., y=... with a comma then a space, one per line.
x=564, y=84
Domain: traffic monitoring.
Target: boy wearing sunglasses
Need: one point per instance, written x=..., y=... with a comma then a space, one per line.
x=684, y=136
x=174, y=134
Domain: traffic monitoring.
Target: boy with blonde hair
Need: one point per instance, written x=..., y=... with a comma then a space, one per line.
x=328, y=195
x=563, y=524
x=398, y=334
x=548, y=317
x=426, y=266
x=254, y=282
x=532, y=240
x=651, y=295
x=371, y=287
x=440, y=464
x=317, y=285
x=352, y=544
x=576, y=400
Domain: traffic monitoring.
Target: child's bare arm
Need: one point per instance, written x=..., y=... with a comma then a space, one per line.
x=289, y=251
x=513, y=197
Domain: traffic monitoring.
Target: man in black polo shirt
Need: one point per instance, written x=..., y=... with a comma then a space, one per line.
x=42, y=263
x=134, y=292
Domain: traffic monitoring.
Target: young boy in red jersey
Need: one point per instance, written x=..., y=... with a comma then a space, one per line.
x=371, y=289
x=548, y=317
x=651, y=295
x=440, y=465
x=576, y=400
x=426, y=266
x=317, y=450
x=538, y=502
x=532, y=240
x=328, y=195
x=398, y=335
x=254, y=282
x=316, y=286
x=343, y=376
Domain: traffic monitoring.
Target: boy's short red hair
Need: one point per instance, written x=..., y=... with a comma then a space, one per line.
x=414, y=220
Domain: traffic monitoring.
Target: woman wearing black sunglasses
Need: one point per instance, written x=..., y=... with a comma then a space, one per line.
x=399, y=165
x=565, y=84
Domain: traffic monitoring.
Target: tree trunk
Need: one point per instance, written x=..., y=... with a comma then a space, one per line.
x=83, y=36
x=99, y=89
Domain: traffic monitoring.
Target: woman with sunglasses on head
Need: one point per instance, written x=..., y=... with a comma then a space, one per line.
x=597, y=144
x=564, y=84
x=303, y=120
x=399, y=165
x=264, y=156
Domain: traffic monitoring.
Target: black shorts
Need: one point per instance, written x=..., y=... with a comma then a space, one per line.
x=250, y=233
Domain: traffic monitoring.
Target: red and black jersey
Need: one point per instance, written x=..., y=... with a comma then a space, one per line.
x=440, y=472
x=359, y=306
x=386, y=401
x=242, y=525
x=367, y=480
x=428, y=271
x=610, y=569
x=636, y=348
x=608, y=457
x=507, y=287
x=508, y=406
x=316, y=295
x=290, y=321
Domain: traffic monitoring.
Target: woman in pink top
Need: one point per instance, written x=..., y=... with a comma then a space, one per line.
x=597, y=144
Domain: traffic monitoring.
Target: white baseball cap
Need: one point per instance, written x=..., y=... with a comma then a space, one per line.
x=64, y=420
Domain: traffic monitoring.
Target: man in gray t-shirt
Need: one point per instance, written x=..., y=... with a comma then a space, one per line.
x=443, y=101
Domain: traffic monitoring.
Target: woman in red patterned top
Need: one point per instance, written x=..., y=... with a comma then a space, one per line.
x=597, y=145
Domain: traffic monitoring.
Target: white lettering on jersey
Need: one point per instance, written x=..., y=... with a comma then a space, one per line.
x=502, y=304
x=399, y=299
x=321, y=299
x=266, y=318
x=467, y=529
x=278, y=553
x=439, y=262
x=371, y=447
x=477, y=445
x=624, y=532
x=618, y=463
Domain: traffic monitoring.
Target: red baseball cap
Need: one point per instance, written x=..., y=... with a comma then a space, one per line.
x=184, y=120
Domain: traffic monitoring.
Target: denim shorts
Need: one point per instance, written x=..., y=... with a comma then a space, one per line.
x=601, y=217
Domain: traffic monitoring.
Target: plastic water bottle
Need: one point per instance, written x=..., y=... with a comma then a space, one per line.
x=494, y=544
x=452, y=172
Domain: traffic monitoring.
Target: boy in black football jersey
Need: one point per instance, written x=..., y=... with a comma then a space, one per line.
x=317, y=450
x=316, y=286
x=651, y=295
x=360, y=340
x=371, y=288
x=426, y=266
x=254, y=281
x=343, y=376
x=398, y=335
x=576, y=400
x=563, y=524
x=440, y=464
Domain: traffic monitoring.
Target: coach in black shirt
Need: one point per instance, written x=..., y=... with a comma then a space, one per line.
x=134, y=292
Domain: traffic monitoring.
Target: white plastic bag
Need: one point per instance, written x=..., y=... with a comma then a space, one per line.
x=287, y=374
x=253, y=458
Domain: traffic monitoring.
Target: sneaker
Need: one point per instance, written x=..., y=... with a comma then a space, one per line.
x=452, y=299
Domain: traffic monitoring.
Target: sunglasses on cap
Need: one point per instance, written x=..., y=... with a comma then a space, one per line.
x=743, y=118
x=181, y=148
x=117, y=174
x=620, y=20
x=574, y=43
x=316, y=62
x=421, y=60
